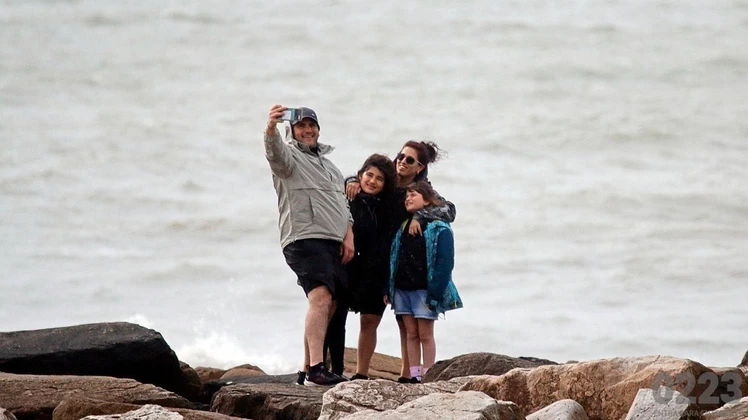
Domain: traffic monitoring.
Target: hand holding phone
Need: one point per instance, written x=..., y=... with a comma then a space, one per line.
x=291, y=114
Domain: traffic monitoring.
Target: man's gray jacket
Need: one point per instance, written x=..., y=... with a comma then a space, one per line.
x=310, y=188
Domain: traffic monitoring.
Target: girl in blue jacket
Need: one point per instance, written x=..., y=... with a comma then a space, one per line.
x=420, y=286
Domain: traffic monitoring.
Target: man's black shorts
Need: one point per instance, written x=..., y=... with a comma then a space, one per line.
x=317, y=262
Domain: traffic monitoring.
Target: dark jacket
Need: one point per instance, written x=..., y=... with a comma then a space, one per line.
x=368, y=271
x=442, y=293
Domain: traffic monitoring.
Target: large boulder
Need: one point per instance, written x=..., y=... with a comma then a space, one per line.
x=269, y=401
x=118, y=349
x=676, y=407
x=35, y=397
x=468, y=405
x=379, y=395
x=561, y=410
x=735, y=410
x=479, y=364
x=744, y=362
x=76, y=407
x=605, y=388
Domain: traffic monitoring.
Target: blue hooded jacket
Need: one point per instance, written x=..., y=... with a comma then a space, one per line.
x=440, y=252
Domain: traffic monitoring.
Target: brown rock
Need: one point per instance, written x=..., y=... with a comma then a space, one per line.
x=479, y=364
x=382, y=366
x=242, y=371
x=35, y=397
x=209, y=374
x=744, y=362
x=605, y=388
x=269, y=401
x=737, y=410
x=75, y=408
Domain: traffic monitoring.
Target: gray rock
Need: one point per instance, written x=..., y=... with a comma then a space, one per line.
x=76, y=407
x=269, y=401
x=147, y=412
x=646, y=407
x=119, y=349
x=561, y=410
x=734, y=410
x=480, y=364
x=468, y=405
x=6, y=415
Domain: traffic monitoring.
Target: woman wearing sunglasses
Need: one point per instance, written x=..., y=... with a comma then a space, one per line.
x=412, y=166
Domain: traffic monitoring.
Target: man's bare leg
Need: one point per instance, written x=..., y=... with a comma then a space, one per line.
x=317, y=318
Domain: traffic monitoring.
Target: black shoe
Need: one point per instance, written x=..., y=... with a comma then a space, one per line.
x=300, y=379
x=359, y=376
x=403, y=380
x=319, y=375
x=415, y=381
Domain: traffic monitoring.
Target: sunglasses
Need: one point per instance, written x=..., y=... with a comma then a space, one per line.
x=408, y=159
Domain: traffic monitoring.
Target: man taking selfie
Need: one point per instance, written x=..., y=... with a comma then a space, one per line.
x=315, y=224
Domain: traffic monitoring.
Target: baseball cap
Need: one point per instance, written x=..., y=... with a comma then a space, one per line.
x=306, y=113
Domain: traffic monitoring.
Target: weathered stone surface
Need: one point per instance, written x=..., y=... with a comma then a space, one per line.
x=560, y=410
x=74, y=408
x=147, y=412
x=677, y=407
x=378, y=395
x=209, y=374
x=744, y=362
x=735, y=410
x=119, y=349
x=468, y=405
x=242, y=371
x=605, y=388
x=382, y=366
x=211, y=387
x=269, y=401
x=479, y=364
x=34, y=396
x=6, y=415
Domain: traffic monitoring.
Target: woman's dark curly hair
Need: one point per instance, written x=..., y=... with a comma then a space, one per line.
x=386, y=166
x=428, y=152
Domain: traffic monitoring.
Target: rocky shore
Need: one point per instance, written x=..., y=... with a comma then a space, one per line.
x=125, y=371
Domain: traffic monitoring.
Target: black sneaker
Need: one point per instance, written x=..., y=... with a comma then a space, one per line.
x=300, y=379
x=359, y=376
x=319, y=375
x=403, y=380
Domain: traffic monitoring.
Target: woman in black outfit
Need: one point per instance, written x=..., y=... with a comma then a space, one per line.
x=368, y=271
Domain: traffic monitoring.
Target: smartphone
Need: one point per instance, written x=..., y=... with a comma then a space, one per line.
x=291, y=114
